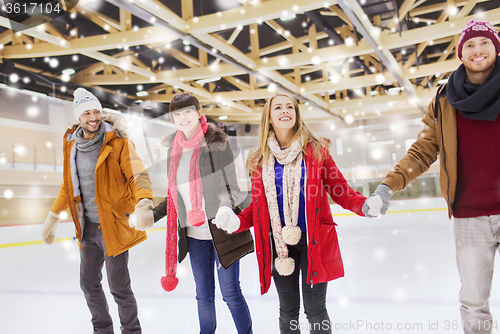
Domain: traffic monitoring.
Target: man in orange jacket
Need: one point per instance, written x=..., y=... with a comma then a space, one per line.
x=104, y=179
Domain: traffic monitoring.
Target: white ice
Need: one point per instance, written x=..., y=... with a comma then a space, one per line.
x=399, y=271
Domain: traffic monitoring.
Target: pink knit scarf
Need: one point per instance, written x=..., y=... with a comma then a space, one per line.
x=196, y=216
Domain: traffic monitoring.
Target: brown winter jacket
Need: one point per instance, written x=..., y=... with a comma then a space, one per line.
x=229, y=247
x=121, y=181
x=439, y=137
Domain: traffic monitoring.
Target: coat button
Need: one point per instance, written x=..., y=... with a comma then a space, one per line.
x=315, y=274
x=127, y=215
x=315, y=243
x=318, y=209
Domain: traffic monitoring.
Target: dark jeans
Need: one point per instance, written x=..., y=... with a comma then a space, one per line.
x=203, y=261
x=289, y=295
x=92, y=258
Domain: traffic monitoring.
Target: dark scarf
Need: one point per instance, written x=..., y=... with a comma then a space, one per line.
x=477, y=102
x=89, y=145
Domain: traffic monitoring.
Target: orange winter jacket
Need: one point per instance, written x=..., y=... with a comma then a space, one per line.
x=121, y=180
x=439, y=137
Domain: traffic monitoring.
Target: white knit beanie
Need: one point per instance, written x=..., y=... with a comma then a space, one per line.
x=84, y=100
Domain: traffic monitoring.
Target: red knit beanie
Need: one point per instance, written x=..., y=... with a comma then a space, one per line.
x=478, y=28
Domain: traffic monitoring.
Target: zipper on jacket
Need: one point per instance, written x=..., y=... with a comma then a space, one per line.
x=263, y=248
x=444, y=161
x=216, y=181
x=307, y=230
x=310, y=252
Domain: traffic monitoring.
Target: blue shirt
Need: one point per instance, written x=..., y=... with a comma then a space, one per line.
x=278, y=170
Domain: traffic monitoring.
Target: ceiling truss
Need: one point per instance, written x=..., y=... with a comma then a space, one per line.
x=344, y=59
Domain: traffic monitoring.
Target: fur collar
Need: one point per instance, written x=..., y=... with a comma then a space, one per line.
x=117, y=123
x=213, y=135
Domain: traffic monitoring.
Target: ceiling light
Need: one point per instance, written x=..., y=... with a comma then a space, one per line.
x=287, y=16
x=13, y=77
x=53, y=63
x=380, y=78
x=442, y=81
x=201, y=82
x=272, y=87
x=65, y=78
x=222, y=118
x=394, y=90
x=373, y=93
x=376, y=154
x=68, y=71
x=382, y=143
x=142, y=93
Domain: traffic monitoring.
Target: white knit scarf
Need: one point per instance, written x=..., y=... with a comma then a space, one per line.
x=291, y=159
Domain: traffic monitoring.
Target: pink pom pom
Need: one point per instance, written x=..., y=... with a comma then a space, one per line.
x=169, y=283
x=196, y=217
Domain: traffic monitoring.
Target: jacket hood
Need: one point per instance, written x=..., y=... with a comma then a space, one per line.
x=213, y=135
x=117, y=123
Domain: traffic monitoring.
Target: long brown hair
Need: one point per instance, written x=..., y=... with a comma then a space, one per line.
x=300, y=130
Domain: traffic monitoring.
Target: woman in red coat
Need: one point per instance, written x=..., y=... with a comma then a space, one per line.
x=292, y=175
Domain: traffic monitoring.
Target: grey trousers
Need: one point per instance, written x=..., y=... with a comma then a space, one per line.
x=92, y=259
x=477, y=240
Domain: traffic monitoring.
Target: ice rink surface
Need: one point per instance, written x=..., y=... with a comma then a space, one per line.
x=400, y=277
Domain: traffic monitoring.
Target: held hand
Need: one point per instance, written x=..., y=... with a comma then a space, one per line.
x=385, y=193
x=372, y=206
x=142, y=218
x=226, y=220
x=48, y=228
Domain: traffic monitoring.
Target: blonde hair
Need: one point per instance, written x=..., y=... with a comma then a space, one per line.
x=260, y=155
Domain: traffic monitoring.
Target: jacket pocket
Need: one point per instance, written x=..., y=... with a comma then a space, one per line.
x=329, y=243
x=121, y=211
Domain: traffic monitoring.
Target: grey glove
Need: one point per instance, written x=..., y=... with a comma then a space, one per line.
x=385, y=193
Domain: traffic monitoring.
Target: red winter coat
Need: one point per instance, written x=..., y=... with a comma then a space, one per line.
x=322, y=178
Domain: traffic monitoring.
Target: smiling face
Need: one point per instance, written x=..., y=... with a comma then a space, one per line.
x=90, y=121
x=187, y=120
x=282, y=114
x=478, y=56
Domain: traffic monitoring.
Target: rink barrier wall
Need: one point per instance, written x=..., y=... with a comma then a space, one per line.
x=338, y=212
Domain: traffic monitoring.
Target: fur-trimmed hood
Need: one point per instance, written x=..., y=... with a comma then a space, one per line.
x=118, y=125
x=214, y=135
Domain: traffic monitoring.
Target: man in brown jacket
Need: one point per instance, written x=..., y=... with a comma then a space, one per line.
x=463, y=127
x=104, y=179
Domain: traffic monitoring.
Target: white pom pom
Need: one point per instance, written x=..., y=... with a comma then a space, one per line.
x=291, y=234
x=284, y=266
